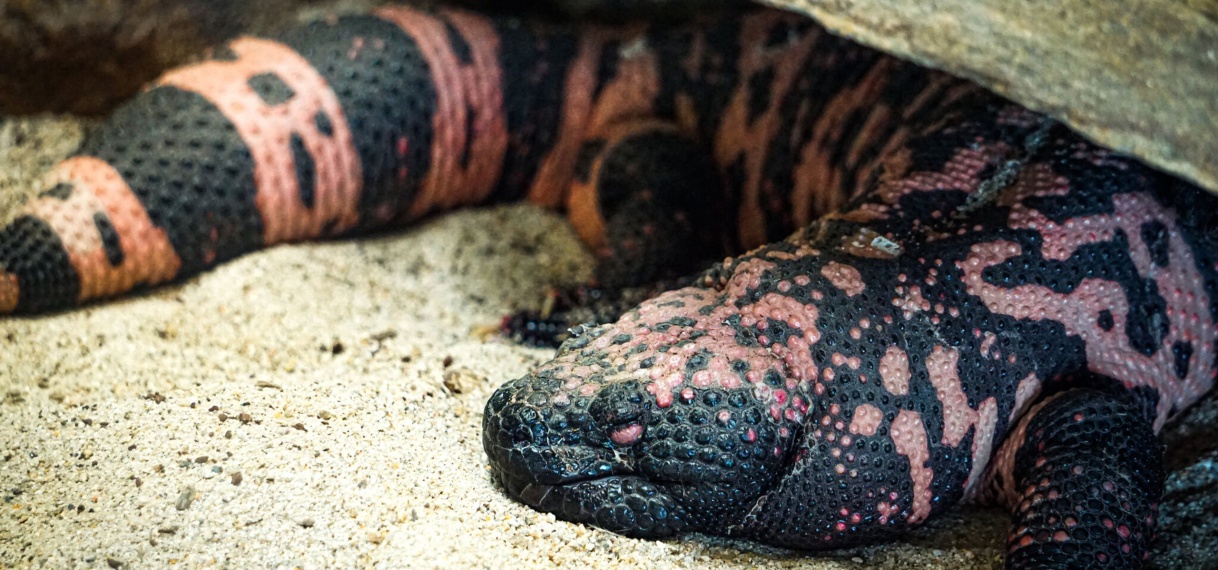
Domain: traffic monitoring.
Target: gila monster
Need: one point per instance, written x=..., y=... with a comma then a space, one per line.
x=975, y=305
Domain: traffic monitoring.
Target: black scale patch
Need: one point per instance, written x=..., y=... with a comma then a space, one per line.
x=31, y=250
x=224, y=53
x=471, y=131
x=607, y=67
x=460, y=47
x=651, y=192
x=323, y=124
x=534, y=65
x=1183, y=353
x=388, y=97
x=271, y=89
x=1154, y=234
x=760, y=87
x=61, y=191
x=586, y=159
x=190, y=169
x=306, y=170
x=110, y=242
x=1105, y=320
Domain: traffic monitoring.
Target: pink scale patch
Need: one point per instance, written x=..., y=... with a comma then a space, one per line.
x=663, y=396
x=844, y=277
x=983, y=443
x=894, y=371
x=268, y=129
x=910, y=301
x=886, y=511
x=866, y=420
x=957, y=415
x=99, y=189
x=909, y=438
x=987, y=343
x=1108, y=351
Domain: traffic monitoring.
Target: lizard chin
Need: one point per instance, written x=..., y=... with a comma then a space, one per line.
x=624, y=504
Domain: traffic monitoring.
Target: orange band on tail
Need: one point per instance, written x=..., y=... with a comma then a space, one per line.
x=10, y=290
x=148, y=257
x=267, y=131
x=466, y=93
x=550, y=183
x=745, y=137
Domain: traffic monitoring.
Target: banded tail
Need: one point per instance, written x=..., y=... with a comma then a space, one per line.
x=340, y=126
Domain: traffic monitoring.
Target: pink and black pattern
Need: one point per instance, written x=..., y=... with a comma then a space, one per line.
x=976, y=304
x=363, y=122
x=1009, y=314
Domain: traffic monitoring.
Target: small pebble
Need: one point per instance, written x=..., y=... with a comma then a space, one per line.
x=185, y=498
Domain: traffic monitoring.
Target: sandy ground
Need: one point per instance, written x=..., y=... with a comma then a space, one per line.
x=320, y=406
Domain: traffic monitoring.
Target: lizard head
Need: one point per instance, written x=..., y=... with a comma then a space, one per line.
x=677, y=418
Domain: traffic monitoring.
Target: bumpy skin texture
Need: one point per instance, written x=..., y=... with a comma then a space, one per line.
x=991, y=294
x=1118, y=482
x=1010, y=314
x=363, y=122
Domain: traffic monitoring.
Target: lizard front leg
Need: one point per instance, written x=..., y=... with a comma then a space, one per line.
x=1087, y=475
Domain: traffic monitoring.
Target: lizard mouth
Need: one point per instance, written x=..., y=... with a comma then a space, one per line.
x=598, y=485
x=625, y=504
x=549, y=498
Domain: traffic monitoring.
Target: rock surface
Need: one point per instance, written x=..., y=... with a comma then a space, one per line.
x=86, y=56
x=1140, y=77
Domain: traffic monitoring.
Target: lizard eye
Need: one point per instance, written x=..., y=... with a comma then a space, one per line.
x=619, y=411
